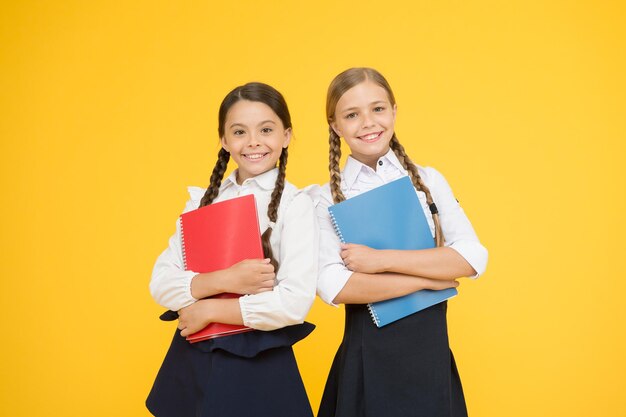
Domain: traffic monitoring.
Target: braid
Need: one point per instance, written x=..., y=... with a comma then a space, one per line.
x=216, y=178
x=272, y=208
x=418, y=183
x=334, y=142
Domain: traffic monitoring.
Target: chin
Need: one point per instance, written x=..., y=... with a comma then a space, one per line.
x=378, y=150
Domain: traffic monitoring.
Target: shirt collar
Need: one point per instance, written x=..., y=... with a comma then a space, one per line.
x=266, y=180
x=353, y=168
x=390, y=157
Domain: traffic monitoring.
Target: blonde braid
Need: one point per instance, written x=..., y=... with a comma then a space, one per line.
x=216, y=178
x=334, y=157
x=272, y=208
x=419, y=185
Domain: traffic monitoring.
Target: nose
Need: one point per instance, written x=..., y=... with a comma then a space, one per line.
x=368, y=120
x=254, y=140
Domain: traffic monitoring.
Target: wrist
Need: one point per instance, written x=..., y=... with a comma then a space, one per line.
x=196, y=286
x=207, y=284
x=386, y=263
x=207, y=310
x=219, y=281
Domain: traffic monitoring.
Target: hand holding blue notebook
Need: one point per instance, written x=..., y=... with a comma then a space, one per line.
x=389, y=217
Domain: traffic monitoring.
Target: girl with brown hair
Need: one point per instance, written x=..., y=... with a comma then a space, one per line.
x=404, y=369
x=252, y=373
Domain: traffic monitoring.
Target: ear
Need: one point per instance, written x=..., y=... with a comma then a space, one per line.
x=287, y=137
x=395, y=110
x=333, y=125
x=224, y=144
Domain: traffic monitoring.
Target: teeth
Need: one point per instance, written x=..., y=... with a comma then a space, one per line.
x=255, y=156
x=370, y=136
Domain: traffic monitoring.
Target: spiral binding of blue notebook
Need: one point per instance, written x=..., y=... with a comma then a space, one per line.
x=389, y=217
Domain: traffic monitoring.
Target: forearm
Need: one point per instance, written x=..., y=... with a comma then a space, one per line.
x=364, y=288
x=195, y=317
x=438, y=263
x=225, y=311
x=208, y=284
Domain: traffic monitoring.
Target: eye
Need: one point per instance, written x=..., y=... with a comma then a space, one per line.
x=238, y=132
x=267, y=130
x=379, y=109
x=350, y=115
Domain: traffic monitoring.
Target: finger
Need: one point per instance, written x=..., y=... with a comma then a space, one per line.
x=269, y=283
x=259, y=262
x=450, y=284
x=353, y=246
x=253, y=261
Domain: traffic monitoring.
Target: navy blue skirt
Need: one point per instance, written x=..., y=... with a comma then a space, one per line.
x=251, y=374
x=404, y=369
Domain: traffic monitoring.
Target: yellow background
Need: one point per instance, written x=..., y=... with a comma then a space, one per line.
x=108, y=110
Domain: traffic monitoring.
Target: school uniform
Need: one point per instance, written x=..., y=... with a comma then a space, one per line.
x=404, y=369
x=253, y=373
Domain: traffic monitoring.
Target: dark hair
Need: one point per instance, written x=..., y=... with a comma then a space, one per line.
x=265, y=94
x=338, y=87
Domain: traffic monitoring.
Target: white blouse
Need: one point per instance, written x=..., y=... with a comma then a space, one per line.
x=294, y=243
x=357, y=178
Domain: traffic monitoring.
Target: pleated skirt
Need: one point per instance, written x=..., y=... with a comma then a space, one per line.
x=251, y=374
x=404, y=369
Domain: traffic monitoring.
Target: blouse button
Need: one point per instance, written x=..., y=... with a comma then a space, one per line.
x=380, y=163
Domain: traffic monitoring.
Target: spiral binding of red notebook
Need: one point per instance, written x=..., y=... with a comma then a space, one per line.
x=216, y=237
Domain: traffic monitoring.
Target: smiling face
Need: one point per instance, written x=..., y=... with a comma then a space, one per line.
x=255, y=137
x=365, y=118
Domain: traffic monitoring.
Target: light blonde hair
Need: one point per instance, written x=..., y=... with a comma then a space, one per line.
x=338, y=87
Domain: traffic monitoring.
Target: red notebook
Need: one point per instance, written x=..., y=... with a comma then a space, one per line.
x=216, y=237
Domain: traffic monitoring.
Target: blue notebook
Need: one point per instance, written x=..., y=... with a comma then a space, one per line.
x=389, y=217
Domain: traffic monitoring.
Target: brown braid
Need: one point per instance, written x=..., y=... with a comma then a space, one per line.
x=272, y=208
x=333, y=166
x=418, y=183
x=216, y=178
x=266, y=94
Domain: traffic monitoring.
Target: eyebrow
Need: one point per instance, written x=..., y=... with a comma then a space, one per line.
x=370, y=104
x=260, y=124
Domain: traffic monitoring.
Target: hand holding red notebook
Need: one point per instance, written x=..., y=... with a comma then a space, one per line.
x=215, y=237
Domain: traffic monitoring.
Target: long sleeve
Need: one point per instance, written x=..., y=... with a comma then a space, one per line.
x=457, y=229
x=290, y=300
x=170, y=284
x=333, y=274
